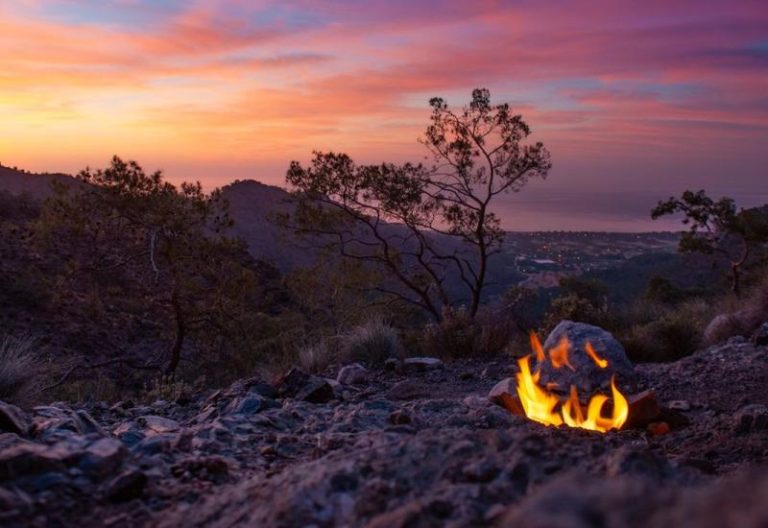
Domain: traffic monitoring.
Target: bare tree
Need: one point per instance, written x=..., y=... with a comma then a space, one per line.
x=423, y=224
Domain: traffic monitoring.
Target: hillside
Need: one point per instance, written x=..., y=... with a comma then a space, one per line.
x=38, y=186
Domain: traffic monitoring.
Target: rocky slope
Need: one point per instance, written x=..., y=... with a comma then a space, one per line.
x=419, y=445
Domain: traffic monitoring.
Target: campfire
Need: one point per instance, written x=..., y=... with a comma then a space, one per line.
x=542, y=404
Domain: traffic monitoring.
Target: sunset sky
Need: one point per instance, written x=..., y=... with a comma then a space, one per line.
x=635, y=100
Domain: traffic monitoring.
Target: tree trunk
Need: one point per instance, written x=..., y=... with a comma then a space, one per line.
x=736, y=279
x=174, y=354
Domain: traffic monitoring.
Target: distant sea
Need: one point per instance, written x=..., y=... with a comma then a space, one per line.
x=539, y=210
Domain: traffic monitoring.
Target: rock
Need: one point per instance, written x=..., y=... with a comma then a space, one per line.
x=213, y=468
x=505, y=386
x=302, y=386
x=586, y=375
x=409, y=390
x=158, y=424
x=126, y=486
x=103, y=457
x=353, y=374
x=643, y=409
x=263, y=389
x=751, y=418
x=249, y=404
x=392, y=364
x=726, y=325
x=13, y=419
x=54, y=423
x=638, y=462
x=679, y=405
x=760, y=337
x=400, y=417
x=128, y=433
x=658, y=428
x=422, y=364
x=29, y=459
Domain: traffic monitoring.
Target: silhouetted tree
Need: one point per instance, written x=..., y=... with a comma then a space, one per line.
x=140, y=237
x=422, y=223
x=717, y=228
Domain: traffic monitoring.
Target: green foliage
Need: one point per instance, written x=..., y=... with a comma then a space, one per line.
x=21, y=369
x=479, y=153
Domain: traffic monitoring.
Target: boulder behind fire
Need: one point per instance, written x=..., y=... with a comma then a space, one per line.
x=586, y=375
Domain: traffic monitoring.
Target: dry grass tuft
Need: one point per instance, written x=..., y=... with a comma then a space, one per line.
x=20, y=368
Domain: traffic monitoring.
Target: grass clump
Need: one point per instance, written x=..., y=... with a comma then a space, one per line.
x=371, y=343
x=20, y=368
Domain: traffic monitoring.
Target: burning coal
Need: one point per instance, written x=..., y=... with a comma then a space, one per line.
x=543, y=405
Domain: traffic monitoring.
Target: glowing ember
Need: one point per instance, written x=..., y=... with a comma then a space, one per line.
x=543, y=406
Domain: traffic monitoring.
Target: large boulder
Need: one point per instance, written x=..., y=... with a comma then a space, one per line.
x=585, y=373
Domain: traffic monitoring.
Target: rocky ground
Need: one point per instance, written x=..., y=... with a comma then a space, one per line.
x=417, y=445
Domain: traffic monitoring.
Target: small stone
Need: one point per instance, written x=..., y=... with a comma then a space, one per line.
x=760, y=337
x=212, y=468
x=126, y=486
x=392, y=364
x=679, y=405
x=159, y=424
x=505, y=386
x=751, y=418
x=422, y=364
x=302, y=386
x=658, y=428
x=353, y=374
x=249, y=404
x=263, y=389
x=13, y=419
x=103, y=457
x=400, y=417
x=29, y=459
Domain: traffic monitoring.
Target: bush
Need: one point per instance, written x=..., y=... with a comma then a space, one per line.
x=673, y=334
x=315, y=357
x=371, y=343
x=20, y=368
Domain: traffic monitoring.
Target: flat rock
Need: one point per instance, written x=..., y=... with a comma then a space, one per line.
x=422, y=364
x=586, y=375
x=158, y=424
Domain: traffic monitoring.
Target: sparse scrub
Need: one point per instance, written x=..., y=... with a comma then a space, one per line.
x=20, y=368
x=315, y=357
x=739, y=316
x=371, y=343
x=673, y=333
x=457, y=335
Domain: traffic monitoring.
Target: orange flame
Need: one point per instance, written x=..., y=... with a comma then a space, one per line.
x=543, y=406
x=600, y=362
x=559, y=355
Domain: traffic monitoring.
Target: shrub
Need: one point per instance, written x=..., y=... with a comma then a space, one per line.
x=315, y=357
x=372, y=343
x=673, y=334
x=20, y=368
x=457, y=335
x=739, y=316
